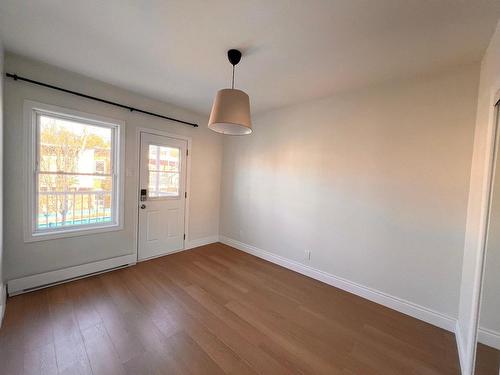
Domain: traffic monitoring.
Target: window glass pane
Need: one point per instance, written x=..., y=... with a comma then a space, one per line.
x=74, y=179
x=73, y=183
x=163, y=158
x=67, y=200
x=163, y=184
x=163, y=169
x=73, y=147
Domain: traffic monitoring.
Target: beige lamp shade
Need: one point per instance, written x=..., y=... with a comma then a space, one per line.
x=231, y=113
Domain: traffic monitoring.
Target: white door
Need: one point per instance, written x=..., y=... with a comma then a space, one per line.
x=162, y=195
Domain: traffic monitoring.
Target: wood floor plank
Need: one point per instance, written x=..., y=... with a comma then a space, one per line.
x=101, y=353
x=232, y=337
x=214, y=310
x=41, y=360
x=220, y=353
x=487, y=360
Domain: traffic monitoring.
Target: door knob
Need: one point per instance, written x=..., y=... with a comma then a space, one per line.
x=143, y=206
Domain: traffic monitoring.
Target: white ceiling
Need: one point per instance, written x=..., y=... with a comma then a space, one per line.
x=293, y=50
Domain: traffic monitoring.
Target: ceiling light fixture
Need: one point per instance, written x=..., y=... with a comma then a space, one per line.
x=231, y=109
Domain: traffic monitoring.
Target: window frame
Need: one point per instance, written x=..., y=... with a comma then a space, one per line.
x=31, y=112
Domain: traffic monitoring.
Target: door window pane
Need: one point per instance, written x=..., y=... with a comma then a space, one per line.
x=163, y=171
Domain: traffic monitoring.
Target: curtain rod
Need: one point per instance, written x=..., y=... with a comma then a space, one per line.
x=131, y=109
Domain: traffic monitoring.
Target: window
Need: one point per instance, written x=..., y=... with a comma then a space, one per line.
x=75, y=180
x=163, y=171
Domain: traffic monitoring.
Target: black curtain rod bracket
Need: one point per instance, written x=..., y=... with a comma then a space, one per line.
x=15, y=77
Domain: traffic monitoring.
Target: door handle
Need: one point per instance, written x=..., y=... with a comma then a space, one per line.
x=143, y=206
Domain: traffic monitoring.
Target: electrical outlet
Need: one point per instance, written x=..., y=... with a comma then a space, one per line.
x=307, y=255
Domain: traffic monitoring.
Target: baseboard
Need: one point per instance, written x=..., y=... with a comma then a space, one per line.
x=41, y=280
x=3, y=301
x=489, y=337
x=201, y=242
x=464, y=365
x=406, y=307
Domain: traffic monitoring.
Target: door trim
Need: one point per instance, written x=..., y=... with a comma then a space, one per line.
x=138, y=132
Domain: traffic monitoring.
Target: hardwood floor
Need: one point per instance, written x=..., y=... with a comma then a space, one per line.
x=487, y=360
x=213, y=310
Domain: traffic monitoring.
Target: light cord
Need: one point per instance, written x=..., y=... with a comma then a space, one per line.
x=232, y=83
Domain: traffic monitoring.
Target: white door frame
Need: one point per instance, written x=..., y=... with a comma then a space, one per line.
x=138, y=182
x=467, y=355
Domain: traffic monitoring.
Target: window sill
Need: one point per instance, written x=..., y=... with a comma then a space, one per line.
x=74, y=232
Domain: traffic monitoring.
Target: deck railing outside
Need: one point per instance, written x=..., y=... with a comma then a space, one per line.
x=59, y=209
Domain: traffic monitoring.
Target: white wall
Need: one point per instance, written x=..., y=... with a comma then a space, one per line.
x=489, y=84
x=23, y=259
x=373, y=182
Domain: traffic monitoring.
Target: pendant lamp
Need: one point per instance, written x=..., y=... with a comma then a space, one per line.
x=231, y=109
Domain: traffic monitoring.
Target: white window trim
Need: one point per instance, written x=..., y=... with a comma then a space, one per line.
x=30, y=111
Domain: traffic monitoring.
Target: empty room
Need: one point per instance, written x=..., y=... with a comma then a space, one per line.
x=250, y=187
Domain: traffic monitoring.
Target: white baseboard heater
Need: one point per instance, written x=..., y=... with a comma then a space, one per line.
x=46, y=279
